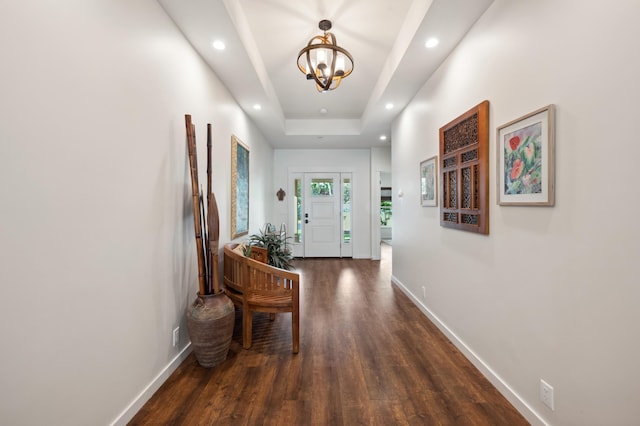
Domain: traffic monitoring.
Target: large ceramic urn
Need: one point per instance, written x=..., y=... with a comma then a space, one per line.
x=210, y=320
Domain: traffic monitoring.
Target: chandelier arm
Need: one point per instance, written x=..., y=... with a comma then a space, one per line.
x=336, y=48
x=322, y=86
x=308, y=48
x=313, y=72
x=331, y=41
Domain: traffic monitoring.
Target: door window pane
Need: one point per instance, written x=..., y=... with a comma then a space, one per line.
x=322, y=187
x=346, y=210
x=297, y=235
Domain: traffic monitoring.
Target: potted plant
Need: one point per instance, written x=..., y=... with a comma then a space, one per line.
x=279, y=254
x=210, y=319
x=385, y=212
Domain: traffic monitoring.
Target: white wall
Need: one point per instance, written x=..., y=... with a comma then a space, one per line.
x=381, y=161
x=97, y=250
x=356, y=161
x=385, y=179
x=552, y=292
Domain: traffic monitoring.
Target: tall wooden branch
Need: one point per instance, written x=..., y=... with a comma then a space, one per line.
x=193, y=163
x=214, y=224
x=208, y=218
x=205, y=239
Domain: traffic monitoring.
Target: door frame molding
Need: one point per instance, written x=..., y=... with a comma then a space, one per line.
x=375, y=216
x=299, y=171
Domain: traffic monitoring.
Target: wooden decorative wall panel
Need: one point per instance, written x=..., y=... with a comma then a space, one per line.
x=464, y=177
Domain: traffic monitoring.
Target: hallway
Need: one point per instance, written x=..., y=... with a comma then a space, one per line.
x=367, y=356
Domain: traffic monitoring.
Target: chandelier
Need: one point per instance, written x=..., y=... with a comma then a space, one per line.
x=323, y=61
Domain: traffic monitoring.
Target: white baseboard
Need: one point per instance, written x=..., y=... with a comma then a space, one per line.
x=515, y=399
x=148, y=392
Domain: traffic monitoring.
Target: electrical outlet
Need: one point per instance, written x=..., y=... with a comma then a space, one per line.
x=546, y=394
x=424, y=293
x=176, y=336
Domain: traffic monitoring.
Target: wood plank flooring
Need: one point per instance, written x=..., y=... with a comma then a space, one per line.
x=367, y=356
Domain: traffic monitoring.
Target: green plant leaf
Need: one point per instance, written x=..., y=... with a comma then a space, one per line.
x=279, y=254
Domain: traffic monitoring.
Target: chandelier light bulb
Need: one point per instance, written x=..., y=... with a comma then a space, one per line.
x=340, y=65
x=322, y=58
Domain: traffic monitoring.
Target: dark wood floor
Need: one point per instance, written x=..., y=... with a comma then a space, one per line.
x=367, y=356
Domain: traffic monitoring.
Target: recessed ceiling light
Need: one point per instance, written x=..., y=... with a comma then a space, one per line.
x=257, y=107
x=383, y=137
x=432, y=42
x=389, y=106
x=219, y=45
x=323, y=111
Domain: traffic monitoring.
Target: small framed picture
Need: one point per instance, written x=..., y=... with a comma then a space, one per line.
x=525, y=151
x=429, y=182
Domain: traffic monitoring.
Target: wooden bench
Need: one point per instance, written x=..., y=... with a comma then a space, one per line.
x=257, y=286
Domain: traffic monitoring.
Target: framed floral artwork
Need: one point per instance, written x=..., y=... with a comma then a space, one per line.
x=428, y=182
x=526, y=168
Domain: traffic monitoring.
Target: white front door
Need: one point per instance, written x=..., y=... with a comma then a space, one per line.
x=322, y=218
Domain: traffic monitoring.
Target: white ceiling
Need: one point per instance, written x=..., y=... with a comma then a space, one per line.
x=263, y=37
